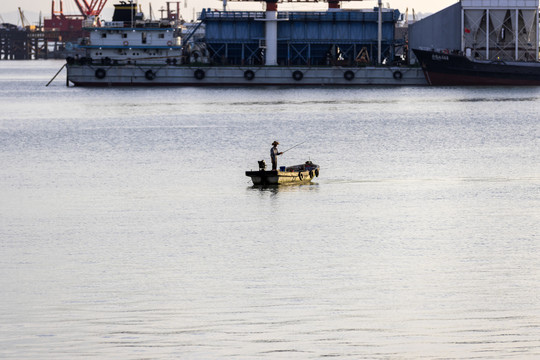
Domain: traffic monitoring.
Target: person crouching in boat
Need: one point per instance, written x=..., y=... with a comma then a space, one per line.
x=274, y=154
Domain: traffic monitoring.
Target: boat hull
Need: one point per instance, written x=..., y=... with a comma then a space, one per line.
x=276, y=177
x=183, y=75
x=451, y=69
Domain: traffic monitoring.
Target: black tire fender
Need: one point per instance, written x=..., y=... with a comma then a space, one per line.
x=150, y=75
x=100, y=73
x=199, y=74
x=397, y=75
x=249, y=75
x=348, y=75
x=297, y=75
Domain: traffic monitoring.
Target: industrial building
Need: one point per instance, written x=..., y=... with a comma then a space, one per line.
x=498, y=30
x=341, y=37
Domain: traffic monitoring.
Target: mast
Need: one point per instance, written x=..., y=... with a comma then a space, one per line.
x=271, y=32
x=379, y=37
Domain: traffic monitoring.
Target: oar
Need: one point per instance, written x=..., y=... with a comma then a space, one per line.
x=283, y=152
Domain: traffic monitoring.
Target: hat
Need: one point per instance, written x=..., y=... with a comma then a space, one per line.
x=275, y=143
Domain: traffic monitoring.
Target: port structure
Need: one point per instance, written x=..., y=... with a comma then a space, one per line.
x=325, y=38
x=31, y=42
x=500, y=30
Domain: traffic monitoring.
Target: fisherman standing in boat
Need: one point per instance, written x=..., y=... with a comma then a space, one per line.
x=273, y=154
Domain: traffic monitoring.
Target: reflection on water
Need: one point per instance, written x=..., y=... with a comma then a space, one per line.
x=276, y=189
x=129, y=229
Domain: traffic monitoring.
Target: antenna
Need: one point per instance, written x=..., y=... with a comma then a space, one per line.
x=407, y=17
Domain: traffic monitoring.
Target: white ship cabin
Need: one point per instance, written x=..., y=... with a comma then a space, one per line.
x=127, y=45
x=133, y=40
x=114, y=34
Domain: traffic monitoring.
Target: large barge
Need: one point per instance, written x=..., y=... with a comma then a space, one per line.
x=163, y=75
x=228, y=48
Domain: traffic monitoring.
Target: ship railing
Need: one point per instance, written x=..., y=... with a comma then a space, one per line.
x=280, y=16
x=353, y=15
x=230, y=14
x=238, y=15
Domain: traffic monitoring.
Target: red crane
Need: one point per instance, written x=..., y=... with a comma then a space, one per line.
x=69, y=26
x=87, y=9
x=90, y=8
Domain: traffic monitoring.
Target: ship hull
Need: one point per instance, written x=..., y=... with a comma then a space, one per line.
x=154, y=75
x=450, y=70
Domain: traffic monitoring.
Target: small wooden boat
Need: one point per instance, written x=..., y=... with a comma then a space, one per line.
x=285, y=175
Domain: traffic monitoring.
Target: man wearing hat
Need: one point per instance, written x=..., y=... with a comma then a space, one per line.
x=273, y=154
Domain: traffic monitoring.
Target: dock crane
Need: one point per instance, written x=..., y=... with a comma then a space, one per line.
x=24, y=20
x=91, y=7
x=86, y=8
x=71, y=24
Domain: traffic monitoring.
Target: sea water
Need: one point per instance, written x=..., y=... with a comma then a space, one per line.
x=128, y=229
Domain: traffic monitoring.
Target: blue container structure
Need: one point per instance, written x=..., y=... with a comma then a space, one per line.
x=345, y=38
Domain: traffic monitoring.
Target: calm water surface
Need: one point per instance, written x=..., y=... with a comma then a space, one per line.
x=128, y=229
